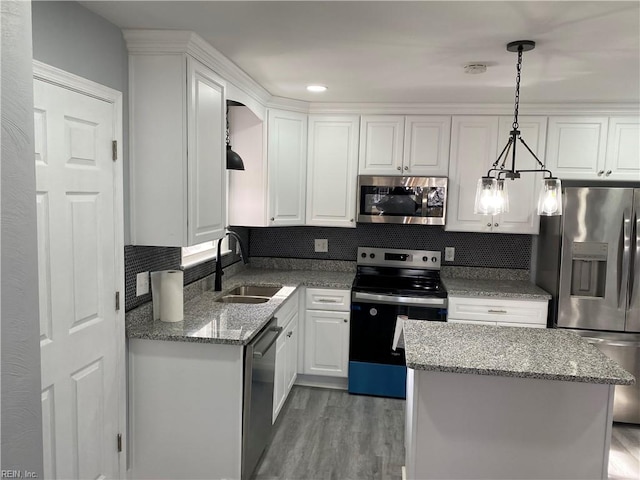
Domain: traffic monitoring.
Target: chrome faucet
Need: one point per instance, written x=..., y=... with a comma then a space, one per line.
x=243, y=255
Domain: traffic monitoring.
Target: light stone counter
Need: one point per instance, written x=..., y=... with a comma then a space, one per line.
x=208, y=321
x=548, y=354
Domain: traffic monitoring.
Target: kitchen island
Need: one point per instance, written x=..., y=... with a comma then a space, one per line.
x=506, y=402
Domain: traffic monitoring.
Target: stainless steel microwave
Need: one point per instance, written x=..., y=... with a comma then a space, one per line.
x=417, y=200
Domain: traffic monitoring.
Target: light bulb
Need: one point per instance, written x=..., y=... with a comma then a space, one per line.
x=550, y=201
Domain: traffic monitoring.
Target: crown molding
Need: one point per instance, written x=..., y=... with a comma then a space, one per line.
x=180, y=41
x=475, y=108
x=289, y=104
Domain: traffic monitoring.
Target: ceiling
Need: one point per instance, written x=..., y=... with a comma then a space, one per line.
x=398, y=51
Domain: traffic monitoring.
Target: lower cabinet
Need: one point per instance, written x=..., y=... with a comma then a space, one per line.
x=286, y=368
x=498, y=311
x=326, y=344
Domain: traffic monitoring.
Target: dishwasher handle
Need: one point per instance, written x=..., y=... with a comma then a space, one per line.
x=272, y=335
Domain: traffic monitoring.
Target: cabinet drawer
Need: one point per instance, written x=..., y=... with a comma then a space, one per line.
x=287, y=310
x=498, y=310
x=328, y=299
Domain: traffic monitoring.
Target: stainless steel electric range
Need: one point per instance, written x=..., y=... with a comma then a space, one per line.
x=389, y=282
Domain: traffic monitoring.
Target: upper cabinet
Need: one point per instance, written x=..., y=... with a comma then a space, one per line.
x=177, y=150
x=592, y=148
x=287, y=163
x=332, y=170
x=415, y=145
x=475, y=144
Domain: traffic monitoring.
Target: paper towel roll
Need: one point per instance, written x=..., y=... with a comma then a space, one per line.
x=155, y=293
x=171, y=296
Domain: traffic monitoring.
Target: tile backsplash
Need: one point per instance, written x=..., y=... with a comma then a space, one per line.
x=472, y=249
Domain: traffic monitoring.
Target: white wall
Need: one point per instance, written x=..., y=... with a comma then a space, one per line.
x=21, y=424
x=69, y=36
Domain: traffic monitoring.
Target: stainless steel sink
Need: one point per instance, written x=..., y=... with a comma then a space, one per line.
x=254, y=291
x=242, y=299
x=249, y=294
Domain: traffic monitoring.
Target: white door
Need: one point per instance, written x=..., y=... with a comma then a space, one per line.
x=426, y=145
x=78, y=253
x=326, y=343
x=381, y=146
x=623, y=149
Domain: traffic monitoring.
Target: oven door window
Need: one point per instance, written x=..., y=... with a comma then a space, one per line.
x=391, y=201
x=434, y=198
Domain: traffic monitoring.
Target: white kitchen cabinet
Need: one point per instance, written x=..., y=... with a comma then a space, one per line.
x=287, y=161
x=623, y=149
x=576, y=147
x=497, y=311
x=286, y=366
x=475, y=144
x=426, y=145
x=326, y=345
x=404, y=145
x=332, y=170
x=177, y=150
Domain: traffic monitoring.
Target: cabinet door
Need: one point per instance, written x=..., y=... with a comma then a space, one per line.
x=381, y=139
x=206, y=155
x=522, y=216
x=326, y=343
x=623, y=149
x=280, y=376
x=291, y=368
x=287, y=159
x=576, y=147
x=332, y=170
x=426, y=146
x=473, y=150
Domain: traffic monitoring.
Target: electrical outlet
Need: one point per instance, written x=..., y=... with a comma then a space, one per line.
x=142, y=283
x=449, y=254
x=322, y=245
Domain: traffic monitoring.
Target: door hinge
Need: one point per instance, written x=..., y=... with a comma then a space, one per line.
x=119, y=442
x=114, y=150
x=117, y=300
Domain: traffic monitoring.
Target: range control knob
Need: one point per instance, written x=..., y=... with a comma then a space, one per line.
x=425, y=259
x=372, y=255
x=364, y=255
x=434, y=259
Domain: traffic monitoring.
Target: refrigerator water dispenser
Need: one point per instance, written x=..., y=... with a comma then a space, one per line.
x=588, y=269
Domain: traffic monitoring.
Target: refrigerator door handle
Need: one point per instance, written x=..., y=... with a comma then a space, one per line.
x=623, y=273
x=635, y=260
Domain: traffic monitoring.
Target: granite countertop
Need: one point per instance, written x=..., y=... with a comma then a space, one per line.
x=513, y=289
x=208, y=321
x=548, y=354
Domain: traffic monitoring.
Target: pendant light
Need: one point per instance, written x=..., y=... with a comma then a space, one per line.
x=491, y=195
x=234, y=162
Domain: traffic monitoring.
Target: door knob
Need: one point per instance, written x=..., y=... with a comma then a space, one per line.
x=272, y=219
x=489, y=224
x=406, y=168
x=495, y=224
x=345, y=320
x=399, y=168
x=608, y=172
x=600, y=173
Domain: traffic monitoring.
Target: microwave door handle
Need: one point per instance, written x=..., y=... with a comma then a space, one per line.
x=623, y=265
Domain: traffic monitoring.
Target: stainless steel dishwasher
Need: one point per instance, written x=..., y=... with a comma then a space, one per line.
x=259, y=372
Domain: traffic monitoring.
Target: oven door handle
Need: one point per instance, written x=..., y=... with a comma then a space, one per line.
x=398, y=300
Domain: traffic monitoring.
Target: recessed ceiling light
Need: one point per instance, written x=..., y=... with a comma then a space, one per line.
x=316, y=88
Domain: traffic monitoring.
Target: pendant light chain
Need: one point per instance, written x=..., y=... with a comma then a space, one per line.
x=517, y=99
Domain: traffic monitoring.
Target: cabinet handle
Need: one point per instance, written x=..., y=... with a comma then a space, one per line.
x=495, y=224
x=272, y=219
x=326, y=300
x=489, y=224
x=399, y=168
x=496, y=311
x=406, y=168
x=351, y=220
x=608, y=172
x=600, y=173
x=345, y=320
x=289, y=334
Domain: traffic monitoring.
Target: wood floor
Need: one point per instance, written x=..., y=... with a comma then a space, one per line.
x=329, y=434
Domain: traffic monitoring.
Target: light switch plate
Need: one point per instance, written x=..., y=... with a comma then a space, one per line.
x=322, y=245
x=449, y=254
x=142, y=283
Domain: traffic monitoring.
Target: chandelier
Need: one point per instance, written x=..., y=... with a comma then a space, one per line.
x=492, y=197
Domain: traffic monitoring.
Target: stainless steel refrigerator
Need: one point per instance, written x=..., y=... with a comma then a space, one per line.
x=589, y=260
